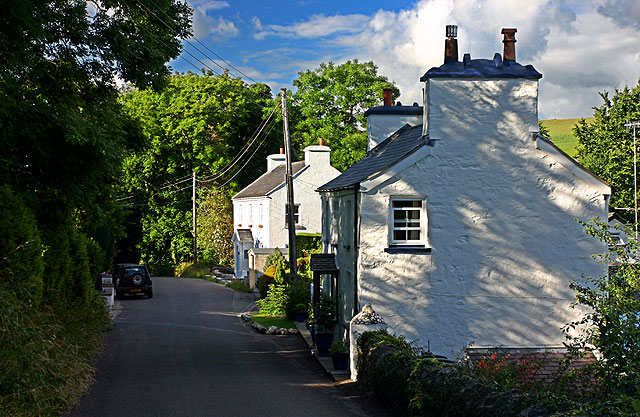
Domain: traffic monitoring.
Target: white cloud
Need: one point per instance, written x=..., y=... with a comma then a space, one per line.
x=205, y=25
x=316, y=27
x=580, y=48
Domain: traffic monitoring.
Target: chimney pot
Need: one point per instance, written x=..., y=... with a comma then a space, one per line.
x=387, y=94
x=321, y=141
x=509, y=42
x=451, y=44
x=281, y=151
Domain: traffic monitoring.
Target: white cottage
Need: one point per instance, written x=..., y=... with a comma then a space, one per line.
x=260, y=210
x=460, y=229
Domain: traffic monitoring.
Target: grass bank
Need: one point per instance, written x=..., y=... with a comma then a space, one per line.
x=46, y=353
x=562, y=133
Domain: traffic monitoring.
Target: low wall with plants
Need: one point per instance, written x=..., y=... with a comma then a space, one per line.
x=413, y=382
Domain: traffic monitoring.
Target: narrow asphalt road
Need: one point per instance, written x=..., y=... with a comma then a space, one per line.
x=186, y=352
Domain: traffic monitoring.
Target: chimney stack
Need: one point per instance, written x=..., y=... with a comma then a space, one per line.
x=387, y=94
x=509, y=44
x=451, y=44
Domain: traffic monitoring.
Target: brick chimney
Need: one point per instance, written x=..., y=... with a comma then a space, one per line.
x=509, y=42
x=387, y=95
x=451, y=44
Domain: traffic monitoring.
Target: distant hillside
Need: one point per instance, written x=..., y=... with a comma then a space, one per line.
x=562, y=133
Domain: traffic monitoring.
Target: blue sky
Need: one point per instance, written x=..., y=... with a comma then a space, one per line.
x=580, y=46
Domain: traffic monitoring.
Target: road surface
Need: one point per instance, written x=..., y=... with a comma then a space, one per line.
x=186, y=352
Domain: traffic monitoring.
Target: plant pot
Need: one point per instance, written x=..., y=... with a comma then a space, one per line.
x=312, y=331
x=300, y=316
x=323, y=342
x=340, y=361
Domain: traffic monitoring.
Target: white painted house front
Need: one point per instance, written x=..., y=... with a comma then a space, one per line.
x=461, y=229
x=259, y=210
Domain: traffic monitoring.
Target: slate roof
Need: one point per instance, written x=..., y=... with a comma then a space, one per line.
x=390, y=151
x=485, y=68
x=395, y=110
x=244, y=235
x=269, y=181
x=323, y=263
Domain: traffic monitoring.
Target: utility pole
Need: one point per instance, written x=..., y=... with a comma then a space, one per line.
x=291, y=224
x=193, y=212
x=629, y=125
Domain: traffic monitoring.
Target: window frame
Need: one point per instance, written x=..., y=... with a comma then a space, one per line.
x=297, y=223
x=423, y=242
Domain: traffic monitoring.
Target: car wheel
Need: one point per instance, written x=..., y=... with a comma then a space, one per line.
x=137, y=280
x=150, y=293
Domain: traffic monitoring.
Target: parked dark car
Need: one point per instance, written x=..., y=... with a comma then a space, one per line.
x=132, y=279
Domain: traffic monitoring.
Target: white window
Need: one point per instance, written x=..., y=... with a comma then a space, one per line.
x=296, y=215
x=240, y=213
x=408, y=222
x=260, y=215
x=250, y=218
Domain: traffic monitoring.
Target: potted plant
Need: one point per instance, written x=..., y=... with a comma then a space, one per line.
x=339, y=351
x=324, y=320
x=300, y=312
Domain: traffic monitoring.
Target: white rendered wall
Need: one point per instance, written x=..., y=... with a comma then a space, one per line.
x=305, y=184
x=381, y=126
x=501, y=213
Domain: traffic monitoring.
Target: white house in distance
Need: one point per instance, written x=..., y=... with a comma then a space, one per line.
x=260, y=210
x=460, y=228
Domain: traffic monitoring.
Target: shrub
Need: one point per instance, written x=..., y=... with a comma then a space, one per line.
x=191, y=270
x=275, y=301
x=613, y=323
x=265, y=280
x=162, y=270
x=21, y=261
x=384, y=365
x=299, y=296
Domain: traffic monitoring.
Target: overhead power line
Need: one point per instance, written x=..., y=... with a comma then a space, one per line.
x=255, y=136
x=207, y=48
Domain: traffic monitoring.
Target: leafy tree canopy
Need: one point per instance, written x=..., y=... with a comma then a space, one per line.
x=606, y=146
x=61, y=128
x=198, y=123
x=330, y=103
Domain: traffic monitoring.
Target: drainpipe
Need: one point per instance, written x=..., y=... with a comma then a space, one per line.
x=356, y=248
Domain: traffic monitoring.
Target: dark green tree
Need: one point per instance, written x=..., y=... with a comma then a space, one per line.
x=62, y=130
x=606, y=146
x=198, y=123
x=330, y=103
x=215, y=227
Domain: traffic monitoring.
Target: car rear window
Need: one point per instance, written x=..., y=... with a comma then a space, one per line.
x=129, y=272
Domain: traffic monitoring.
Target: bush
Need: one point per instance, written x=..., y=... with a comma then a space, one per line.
x=413, y=382
x=162, y=270
x=299, y=296
x=275, y=301
x=21, y=262
x=191, y=270
x=266, y=280
x=613, y=323
x=308, y=243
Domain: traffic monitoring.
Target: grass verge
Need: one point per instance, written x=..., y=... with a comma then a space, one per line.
x=278, y=321
x=46, y=353
x=239, y=285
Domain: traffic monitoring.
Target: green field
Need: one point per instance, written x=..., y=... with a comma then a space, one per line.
x=562, y=133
